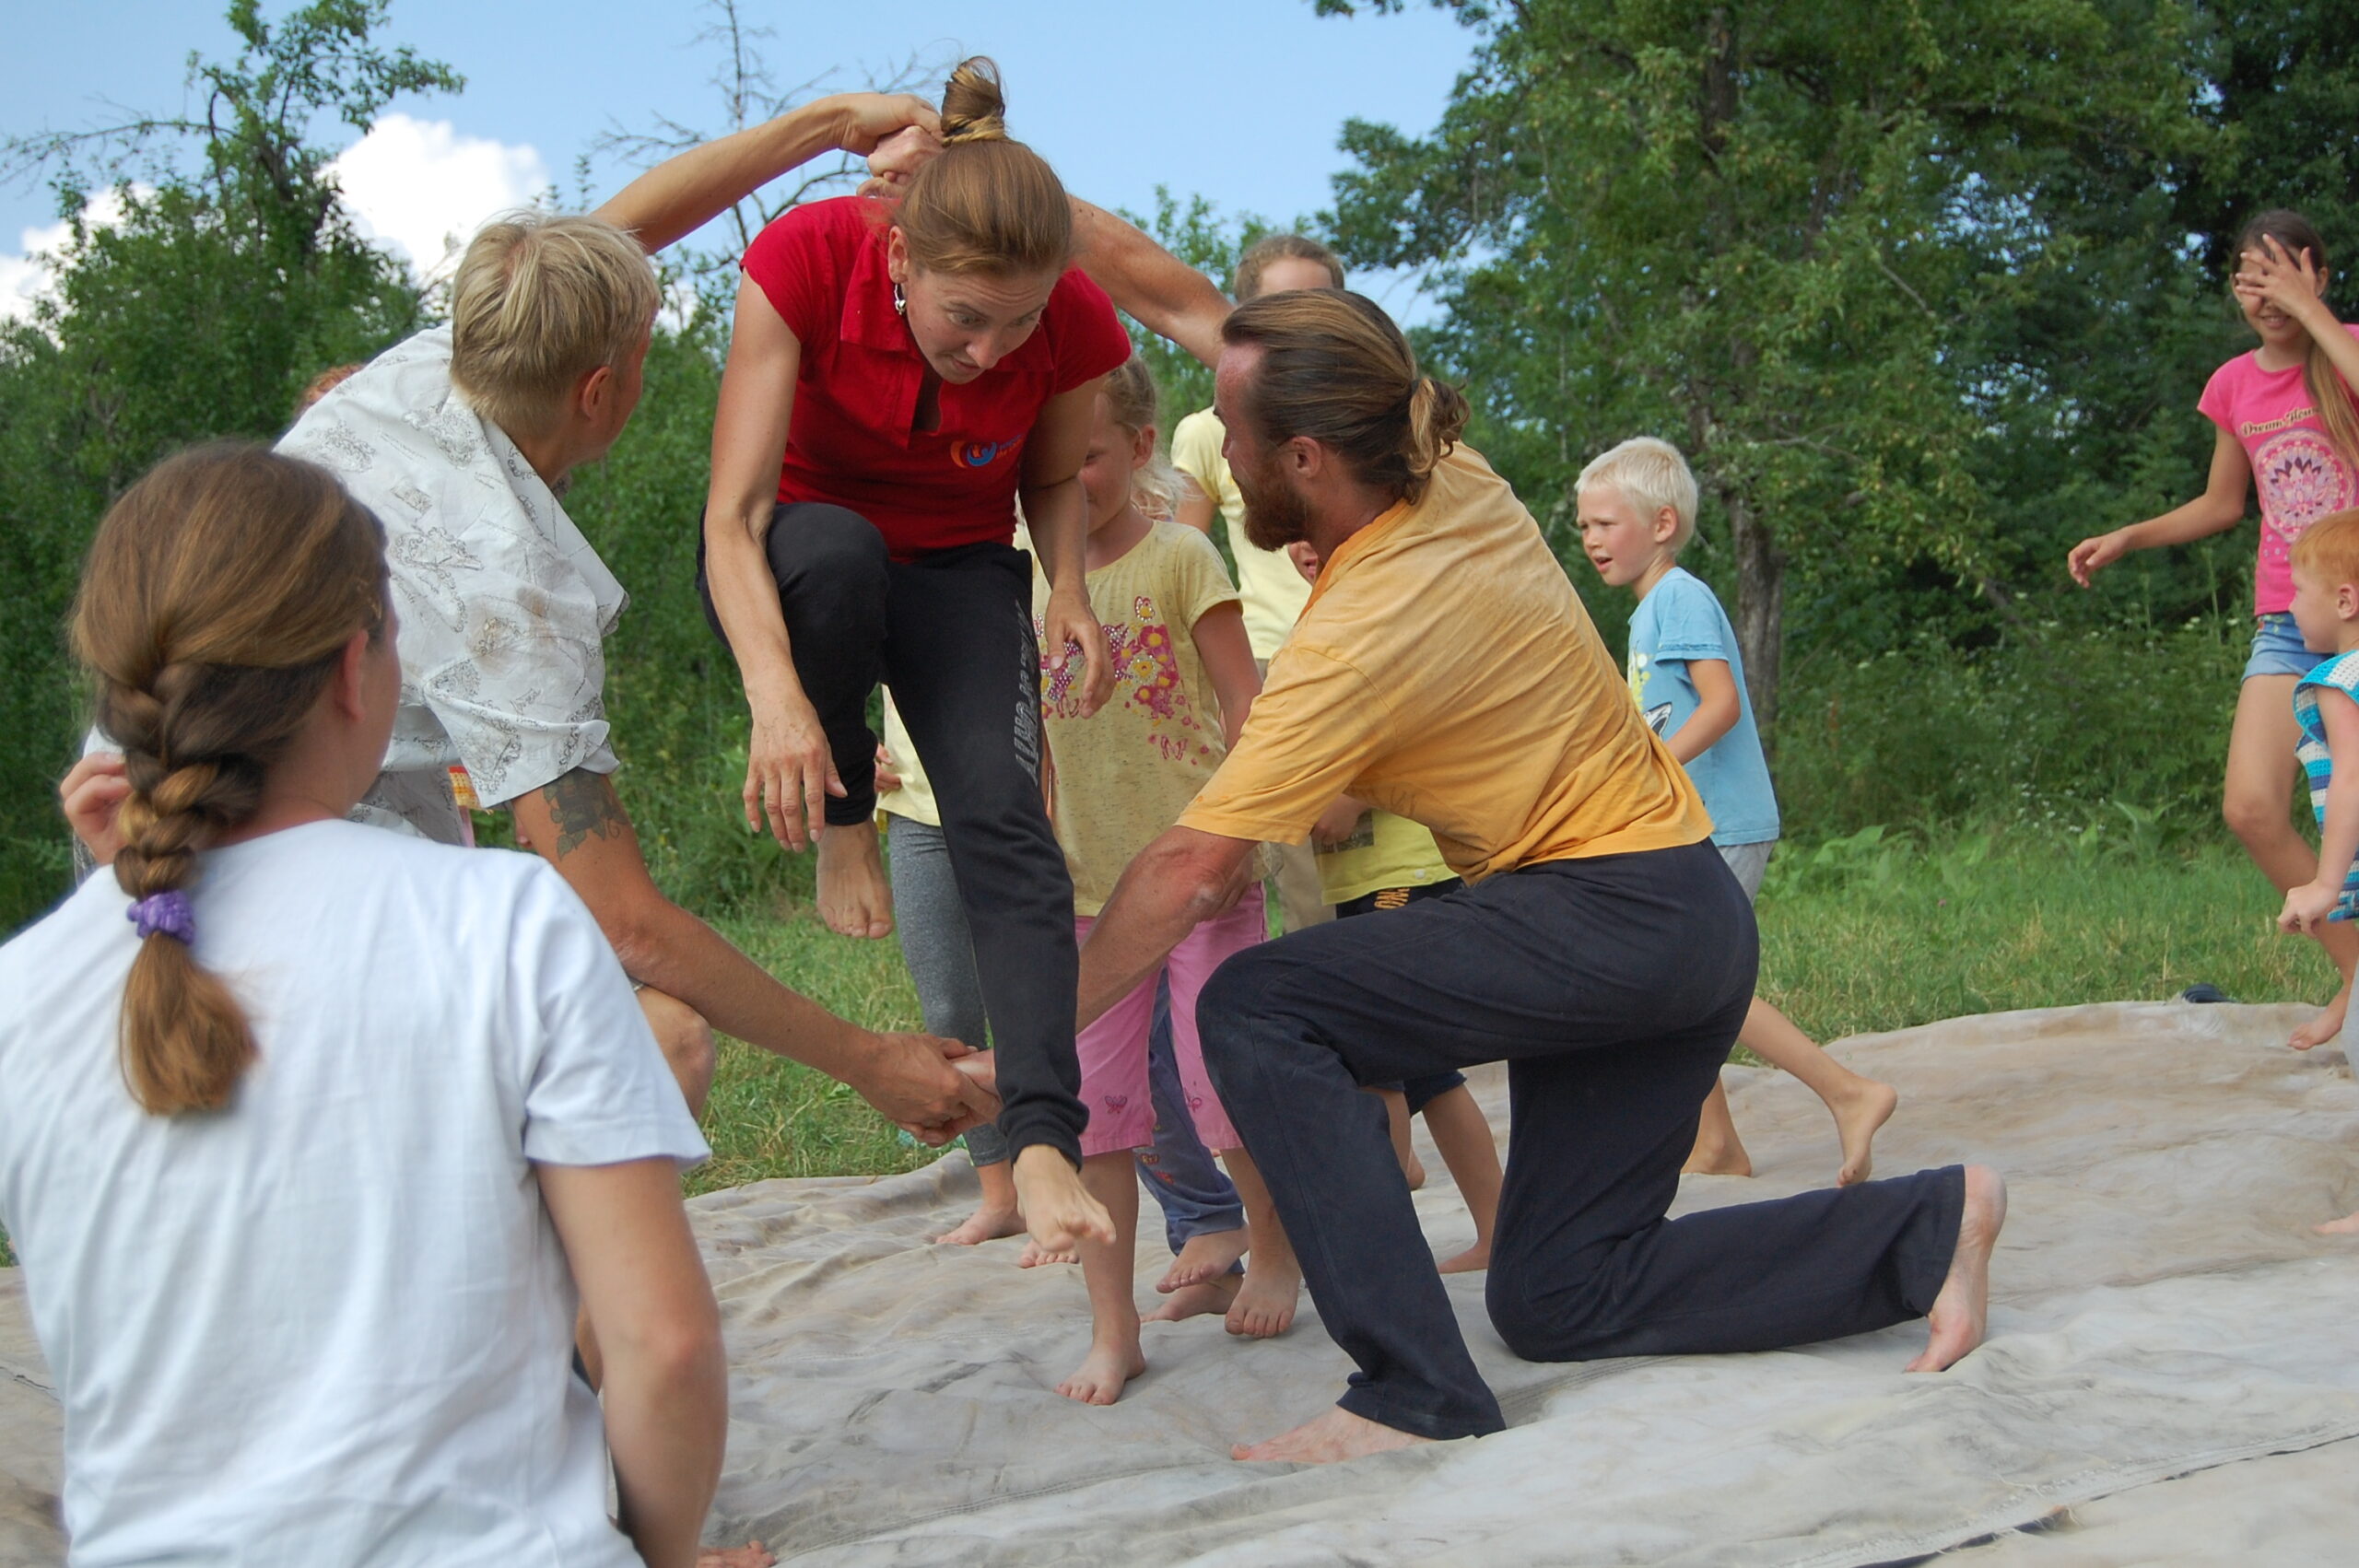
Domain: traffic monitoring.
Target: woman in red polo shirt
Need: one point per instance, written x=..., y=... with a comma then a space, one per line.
x=899, y=377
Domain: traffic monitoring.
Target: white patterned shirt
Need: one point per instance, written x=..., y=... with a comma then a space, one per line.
x=504, y=606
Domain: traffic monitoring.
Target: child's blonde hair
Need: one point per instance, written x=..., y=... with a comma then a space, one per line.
x=539, y=301
x=1130, y=401
x=1651, y=475
x=2329, y=549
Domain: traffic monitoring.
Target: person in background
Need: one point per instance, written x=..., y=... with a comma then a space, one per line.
x=1270, y=587
x=1637, y=508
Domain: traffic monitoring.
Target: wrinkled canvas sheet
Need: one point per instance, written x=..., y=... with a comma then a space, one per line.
x=2162, y=1311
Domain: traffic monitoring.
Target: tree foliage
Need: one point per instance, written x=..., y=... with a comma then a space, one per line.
x=222, y=289
x=1891, y=274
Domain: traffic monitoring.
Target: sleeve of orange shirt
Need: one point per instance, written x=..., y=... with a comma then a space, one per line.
x=1313, y=730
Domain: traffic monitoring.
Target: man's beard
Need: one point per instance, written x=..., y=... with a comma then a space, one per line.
x=1274, y=516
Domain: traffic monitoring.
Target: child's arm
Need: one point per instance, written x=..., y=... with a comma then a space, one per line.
x=2307, y=907
x=1717, y=710
x=2219, y=508
x=1228, y=664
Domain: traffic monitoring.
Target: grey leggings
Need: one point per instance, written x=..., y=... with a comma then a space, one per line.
x=932, y=921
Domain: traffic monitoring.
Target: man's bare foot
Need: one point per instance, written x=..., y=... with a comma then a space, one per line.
x=1197, y=1301
x=1034, y=1255
x=1265, y=1305
x=1338, y=1435
x=2346, y=1226
x=855, y=898
x=1727, y=1159
x=1058, y=1210
x=2325, y=1026
x=1961, y=1313
x=1203, y=1258
x=1099, y=1379
x=1473, y=1260
x=1857, y=1121
x=986, y=1223
x=753, y=1554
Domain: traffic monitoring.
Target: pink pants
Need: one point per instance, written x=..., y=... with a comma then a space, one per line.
x=1113, y=1050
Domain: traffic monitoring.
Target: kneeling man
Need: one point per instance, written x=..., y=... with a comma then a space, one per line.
x=1445, y=671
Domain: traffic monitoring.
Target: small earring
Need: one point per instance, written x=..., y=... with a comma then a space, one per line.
x=900, y=302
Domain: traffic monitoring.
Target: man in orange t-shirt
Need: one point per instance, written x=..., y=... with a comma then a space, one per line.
x=1445, y=670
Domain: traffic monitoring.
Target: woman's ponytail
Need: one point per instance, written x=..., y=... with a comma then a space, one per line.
x=219, y=594
x=985, y=203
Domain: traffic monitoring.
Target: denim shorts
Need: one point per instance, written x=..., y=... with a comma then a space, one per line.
x=2278, y=649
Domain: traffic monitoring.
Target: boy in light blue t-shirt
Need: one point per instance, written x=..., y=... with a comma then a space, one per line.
x=1637, y=510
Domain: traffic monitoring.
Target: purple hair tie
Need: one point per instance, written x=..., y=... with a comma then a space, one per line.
x=167, y=912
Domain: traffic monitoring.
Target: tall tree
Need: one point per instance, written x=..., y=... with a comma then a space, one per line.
x=230, y=279
x=1766, y=231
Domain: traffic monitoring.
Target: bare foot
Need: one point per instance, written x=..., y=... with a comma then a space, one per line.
x=1857, y=1121
x=1034, y=1255
x=1205, y=1257
x=1338, y=1435
x=1058, y=1210
x=1473, y=1260
x=1099, y=1379
x=2346, y=1226
x=753, y=1554
x=1961, y=1313
x=1716, y=1159
x=1196, y=1301
x=1264, y=1306
x=855, y=898
x=987, y=1223
x=2325, y=1026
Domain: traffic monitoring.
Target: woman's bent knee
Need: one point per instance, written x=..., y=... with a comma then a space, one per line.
x=833, y=542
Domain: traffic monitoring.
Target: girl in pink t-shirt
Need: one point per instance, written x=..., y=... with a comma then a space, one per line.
x=2288, y=425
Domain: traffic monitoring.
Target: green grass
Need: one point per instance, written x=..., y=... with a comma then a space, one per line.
x=1867, y=932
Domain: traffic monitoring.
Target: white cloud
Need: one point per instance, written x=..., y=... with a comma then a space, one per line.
x=24, y=277
x=420, y=189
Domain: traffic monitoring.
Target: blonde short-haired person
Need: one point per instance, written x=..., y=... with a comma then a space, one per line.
x=1600, y=948
x=314, y=1135
x=462, y=441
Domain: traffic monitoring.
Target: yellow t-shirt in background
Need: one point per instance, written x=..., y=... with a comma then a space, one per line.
x=1383, y=851
x=1445, y=670
x=1125, y=775
x=914, y=799
x=1270, y=589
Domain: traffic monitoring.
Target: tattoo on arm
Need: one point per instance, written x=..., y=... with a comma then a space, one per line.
x=584, y=806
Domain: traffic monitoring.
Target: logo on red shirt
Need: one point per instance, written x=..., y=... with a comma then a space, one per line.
x=981, y=454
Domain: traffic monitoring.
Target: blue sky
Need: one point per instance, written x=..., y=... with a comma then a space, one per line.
x=1239, y=100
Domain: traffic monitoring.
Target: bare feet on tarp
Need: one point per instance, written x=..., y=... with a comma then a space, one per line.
x=1338, y=1435
x=1961, y=1313
x=1057, y=1210
x=753, y=1554
x=2346, y=1226
x=1860, y=1115
x=1203, y=1258
x=1473, y=1260
x=1103, y=1373
x=1214, y=1295
x=855, y=898
x=1034, y=1255
x=1265, y=1305
x=2325, y=1026
x=988, y=1222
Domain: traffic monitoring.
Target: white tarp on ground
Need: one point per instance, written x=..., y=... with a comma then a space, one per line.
x=2162, y=1310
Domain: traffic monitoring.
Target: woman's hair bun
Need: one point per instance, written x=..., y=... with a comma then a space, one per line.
x=974, y=106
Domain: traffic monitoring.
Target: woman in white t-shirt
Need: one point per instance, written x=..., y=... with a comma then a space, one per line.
x=305, y=1166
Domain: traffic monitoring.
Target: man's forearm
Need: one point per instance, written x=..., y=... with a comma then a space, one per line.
x=682, y=194
x=1171, y=298
x=664, y=946
x=1164, y=893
